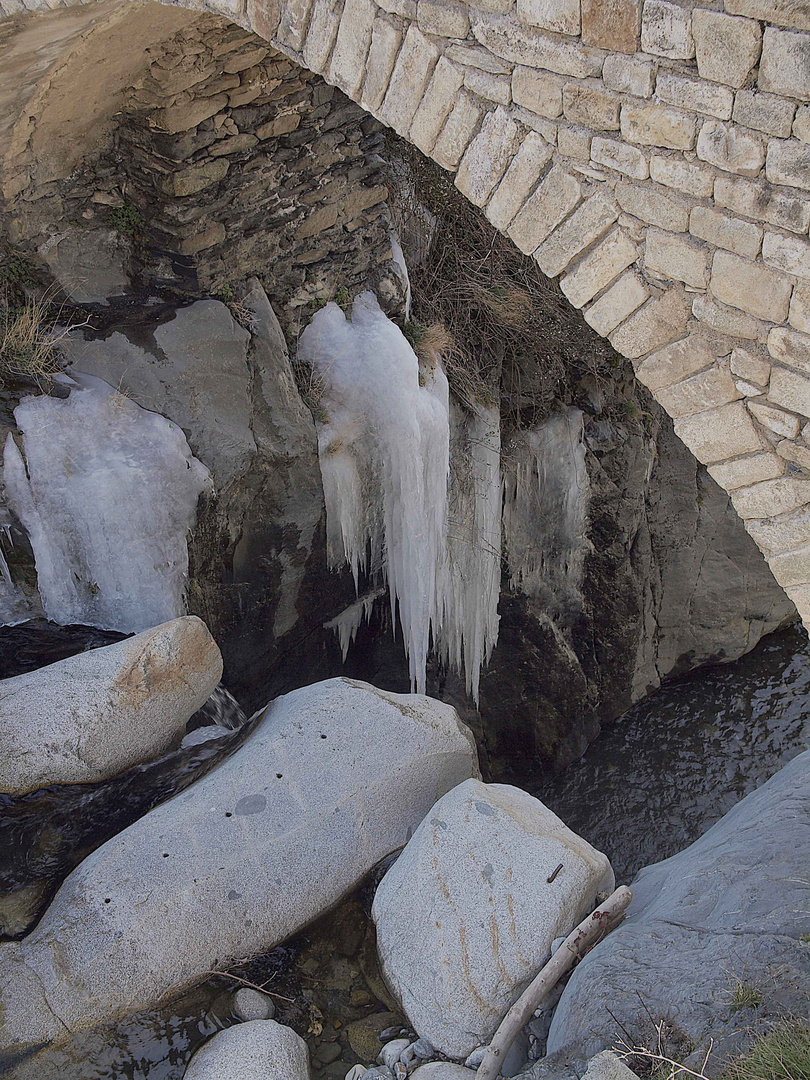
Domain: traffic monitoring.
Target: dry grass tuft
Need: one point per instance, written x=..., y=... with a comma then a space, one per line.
x=28, y=345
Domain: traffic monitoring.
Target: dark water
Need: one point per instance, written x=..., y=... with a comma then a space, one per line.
x=672, y=766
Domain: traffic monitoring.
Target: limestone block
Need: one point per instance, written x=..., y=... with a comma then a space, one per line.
x=726, y=47
x=666, y=30
x=587, y=102
x=483, y=848
x=478, y=57
x=687, y=176
x=457, y=132
x=775, y=420
x=535, y=48
x=764, y=112
x=731, y=148
x=676, y=257
x=783, y=533
x=498, y=7
x=799, y=315
x=791, y=451
x=793, y=567
x=617, y=303
x=348, y=63
x=538, y=91
x=720, y=434
x=574, y=142
x=661, y=320
x=261, y=1049
x=497, y=88
x=406, y=91
x=705, y=391
x=593, y=218
x=764, y=203
x=599, y=268
x=404, y=9
x=386, y=39
x=781, y=12
x=723, y=231
x=186, y=115
x=293, y=25
x=652, y=206
x=750, y=367
x=519, y=180
x=675, y=362
x=619, y=156
x=628, y=75
x=785, y=64
x=787, y=253
x=748, y=389
x=443, y=18
x=788, y=162
x=658, y=125
x=440, y=97
x=561, y=16
x=323, y=28
x=771, y=498
x=790, y=347
x=611, y=24
x=554, y=199
x=801, y=125
x=790, y=390
x=726, y=320
x=191, y=181
x=696, y=94
x=487, y=157
x=742, y=472
x=750, y=286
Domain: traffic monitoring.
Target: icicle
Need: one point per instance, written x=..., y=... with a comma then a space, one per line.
x=402, y=266
x=545, y=486
x=348, y=622
x=471, y=577
x=107, y=493
x=384, y=453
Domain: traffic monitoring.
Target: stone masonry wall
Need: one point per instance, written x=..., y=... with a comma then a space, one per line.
x=653, y=155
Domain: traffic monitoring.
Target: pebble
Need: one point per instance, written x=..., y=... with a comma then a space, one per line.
x=328, y=1052
x=355, y=1072
x=389, y=1054
x=382, y=1072
x=389, y=1033
x=251, y=1004
x=400, y=1071
x=423, y=1049
x=475, y=1058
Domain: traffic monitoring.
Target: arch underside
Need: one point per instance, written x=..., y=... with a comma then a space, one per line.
x=655, y=158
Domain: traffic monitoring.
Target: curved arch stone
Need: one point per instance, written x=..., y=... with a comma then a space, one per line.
x=653, y=155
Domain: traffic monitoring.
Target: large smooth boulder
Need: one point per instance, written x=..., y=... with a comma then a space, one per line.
x=724, y=915
x=259, y=1049
x=334, y=777
x=468, y=913
x=93, y=715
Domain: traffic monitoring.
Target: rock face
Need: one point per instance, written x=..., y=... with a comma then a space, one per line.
x=93, y=715
x=725, y=914
x=259, y=1049
x=334, y=777
x=256, y=555
x=468, y=912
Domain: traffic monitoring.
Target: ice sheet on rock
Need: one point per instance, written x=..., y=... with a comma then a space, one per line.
x=107, y=493
x=471, y=572
x=349, y=621
x=384, y=454
x=545, y=506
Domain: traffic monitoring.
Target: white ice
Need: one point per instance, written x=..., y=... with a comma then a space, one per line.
x=107, y=492
x=545, y=506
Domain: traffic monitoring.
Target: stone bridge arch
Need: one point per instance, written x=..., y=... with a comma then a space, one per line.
x=655, y=156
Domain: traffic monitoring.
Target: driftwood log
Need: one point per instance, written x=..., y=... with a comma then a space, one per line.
x=581, y=939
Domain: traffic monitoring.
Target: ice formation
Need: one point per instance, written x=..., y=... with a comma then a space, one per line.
x=107, y=493
x=545, y=505
x=349, y=621
x=384, y=449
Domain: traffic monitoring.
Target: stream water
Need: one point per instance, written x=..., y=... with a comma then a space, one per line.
x=647, y=787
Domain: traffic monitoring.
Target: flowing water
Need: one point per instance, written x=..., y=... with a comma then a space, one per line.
x=647, y=787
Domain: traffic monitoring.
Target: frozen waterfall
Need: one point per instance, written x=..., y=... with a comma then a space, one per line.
x=395, y=509
x=107, y=493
